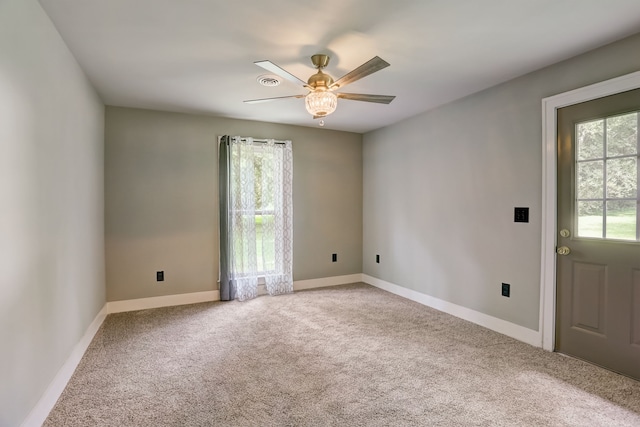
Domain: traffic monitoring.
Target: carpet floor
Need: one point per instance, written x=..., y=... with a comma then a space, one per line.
x=348, y=355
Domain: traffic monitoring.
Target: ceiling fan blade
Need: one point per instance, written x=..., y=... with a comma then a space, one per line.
x=369, y=67
x=270, y=66
x=257, y=101
x=380, y=99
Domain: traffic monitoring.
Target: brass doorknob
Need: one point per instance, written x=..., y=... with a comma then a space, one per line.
x=563, y=250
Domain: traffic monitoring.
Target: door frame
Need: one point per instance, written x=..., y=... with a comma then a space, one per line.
x=550, y=105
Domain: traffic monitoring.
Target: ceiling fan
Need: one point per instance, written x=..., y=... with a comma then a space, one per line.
x=321, y=99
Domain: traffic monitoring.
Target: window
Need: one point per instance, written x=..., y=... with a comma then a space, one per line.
x=607, y=178
x=261, y=215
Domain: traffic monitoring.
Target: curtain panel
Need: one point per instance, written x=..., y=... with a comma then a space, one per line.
x=257, y=207
x=227, y=287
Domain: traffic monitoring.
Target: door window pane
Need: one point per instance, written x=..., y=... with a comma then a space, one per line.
x=606, y=185
x=622, y=178
x=590, y=180
x=622, y=135
x=590, y=219
x=590, y=137
x=621, y=219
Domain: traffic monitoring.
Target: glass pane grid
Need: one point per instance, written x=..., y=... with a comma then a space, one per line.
x=607, y=178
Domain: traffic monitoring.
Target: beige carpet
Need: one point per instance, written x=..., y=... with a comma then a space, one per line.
x=342, y=356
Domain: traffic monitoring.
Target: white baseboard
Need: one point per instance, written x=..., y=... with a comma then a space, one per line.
x=162, y=301
x=39, y=413
x=509, y=329
x=207, y=296
x=299, y=285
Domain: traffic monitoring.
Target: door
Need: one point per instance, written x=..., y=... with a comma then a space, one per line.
x=598, y=261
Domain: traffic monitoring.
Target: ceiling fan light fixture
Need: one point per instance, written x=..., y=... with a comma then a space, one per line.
x=321, y=100
x=321, y=103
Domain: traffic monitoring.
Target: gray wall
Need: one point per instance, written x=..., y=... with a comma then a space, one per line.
x=51, y=206
x=161, y=191
x=440, y=188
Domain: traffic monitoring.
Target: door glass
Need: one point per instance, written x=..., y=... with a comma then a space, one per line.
x=591, y=180
x=622, y=181
x=621, y=219
x=607, y=178
x=622, y=135
x=590, y=219
x=590, y=136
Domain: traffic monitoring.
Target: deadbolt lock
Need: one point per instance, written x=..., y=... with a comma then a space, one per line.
x=565, y=233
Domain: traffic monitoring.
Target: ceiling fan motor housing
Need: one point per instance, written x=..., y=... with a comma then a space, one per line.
x=320, y=81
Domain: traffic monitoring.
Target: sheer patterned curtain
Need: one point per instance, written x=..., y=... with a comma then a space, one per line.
x=258, y=240
x=278, y=229
x=244, y=265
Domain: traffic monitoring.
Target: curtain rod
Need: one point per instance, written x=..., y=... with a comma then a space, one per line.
x=264, y=141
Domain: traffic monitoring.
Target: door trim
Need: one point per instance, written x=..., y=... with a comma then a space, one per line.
x=549, y=190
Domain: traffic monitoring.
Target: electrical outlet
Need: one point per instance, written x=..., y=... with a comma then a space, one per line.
x=377, y=259
x=334, y=257
x=506, y=290
x=159, y=276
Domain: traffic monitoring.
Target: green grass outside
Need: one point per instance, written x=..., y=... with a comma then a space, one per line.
x=622, y=225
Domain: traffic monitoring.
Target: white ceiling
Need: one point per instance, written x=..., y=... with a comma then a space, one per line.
x=197, y=55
